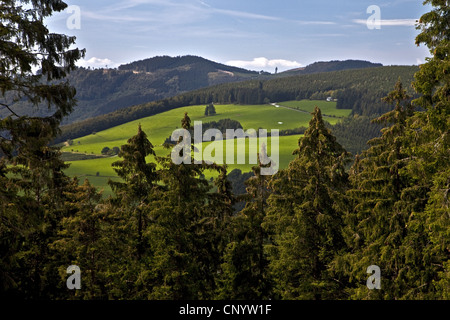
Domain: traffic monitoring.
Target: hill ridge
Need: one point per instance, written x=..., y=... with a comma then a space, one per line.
x=333, y=65
x=169, y=62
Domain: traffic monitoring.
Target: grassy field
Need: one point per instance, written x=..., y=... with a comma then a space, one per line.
x=100, y=170
x=160, y=126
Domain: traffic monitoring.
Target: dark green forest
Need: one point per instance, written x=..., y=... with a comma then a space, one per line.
x=328, y=66
x=308, y=232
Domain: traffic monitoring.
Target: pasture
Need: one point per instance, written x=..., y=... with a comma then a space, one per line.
x=161, y=126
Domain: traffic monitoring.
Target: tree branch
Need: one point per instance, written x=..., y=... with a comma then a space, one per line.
x=10, y=110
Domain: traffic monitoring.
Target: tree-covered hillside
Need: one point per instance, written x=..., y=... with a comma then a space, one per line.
x=166, y=62
x=104, y=90
x=336, y=65
x=360, y=90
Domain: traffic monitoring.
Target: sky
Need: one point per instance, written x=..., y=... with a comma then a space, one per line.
x=253, y=34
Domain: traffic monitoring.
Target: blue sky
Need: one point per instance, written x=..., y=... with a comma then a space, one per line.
x=257, y=35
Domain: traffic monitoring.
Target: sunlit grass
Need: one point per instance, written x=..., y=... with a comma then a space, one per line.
x=160, y=126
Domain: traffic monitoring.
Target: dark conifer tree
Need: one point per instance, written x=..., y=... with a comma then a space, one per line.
x=431, y=162
x=377, y=225
x=81, y=242
x=244, y=270
x=129, y=214
x=140, y=178
x=179, y=233
x=305, y=216
x=35, y=181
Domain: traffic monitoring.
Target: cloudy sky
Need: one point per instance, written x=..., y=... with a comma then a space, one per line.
x=254, y=34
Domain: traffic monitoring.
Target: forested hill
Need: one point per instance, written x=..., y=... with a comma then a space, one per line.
x=361, y=90
x=104, y=90
x=160, y=63
x=335, y=65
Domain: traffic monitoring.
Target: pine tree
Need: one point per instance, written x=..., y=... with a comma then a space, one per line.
x=305, y=216
x=80, y=240
x=34, y=183
x=431, y=159
x=179, y=233
x=382, y=229
x=245, y=263
x=140, y=178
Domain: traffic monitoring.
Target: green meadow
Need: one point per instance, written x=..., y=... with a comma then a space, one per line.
x=161, y=126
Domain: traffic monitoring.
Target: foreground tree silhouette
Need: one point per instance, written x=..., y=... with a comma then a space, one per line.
x=33, y=183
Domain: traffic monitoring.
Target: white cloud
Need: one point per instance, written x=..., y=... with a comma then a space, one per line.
x=314, y=22
x=263, y=63
x=170, y=12
x=242, y=14
x=115, y=18
x=127, y=4
x=204, y=3
x=391, y=22
x=96, y=63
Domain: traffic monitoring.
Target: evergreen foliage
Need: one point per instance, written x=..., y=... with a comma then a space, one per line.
x=210, y=110
x=305, y=216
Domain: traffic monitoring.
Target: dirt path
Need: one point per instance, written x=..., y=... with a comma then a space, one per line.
x=280, y=106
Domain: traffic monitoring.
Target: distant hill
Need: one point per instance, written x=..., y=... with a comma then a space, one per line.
x=162, y=63
x=328, y=66
x=107, y=90
x=102, y=91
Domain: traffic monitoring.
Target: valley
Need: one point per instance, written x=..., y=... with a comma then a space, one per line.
x=160, y=126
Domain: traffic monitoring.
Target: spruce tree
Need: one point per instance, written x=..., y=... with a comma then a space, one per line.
x=140, y=178
x=400, y=219
x=35, y=182
x=305, y=216
x=179, y=232
x=27, y=44
x=130, y=209
x=36, y=175
x=80, y=241
x=245, y=266
x=380, y=226
x=221, y=210
x=431, y=159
